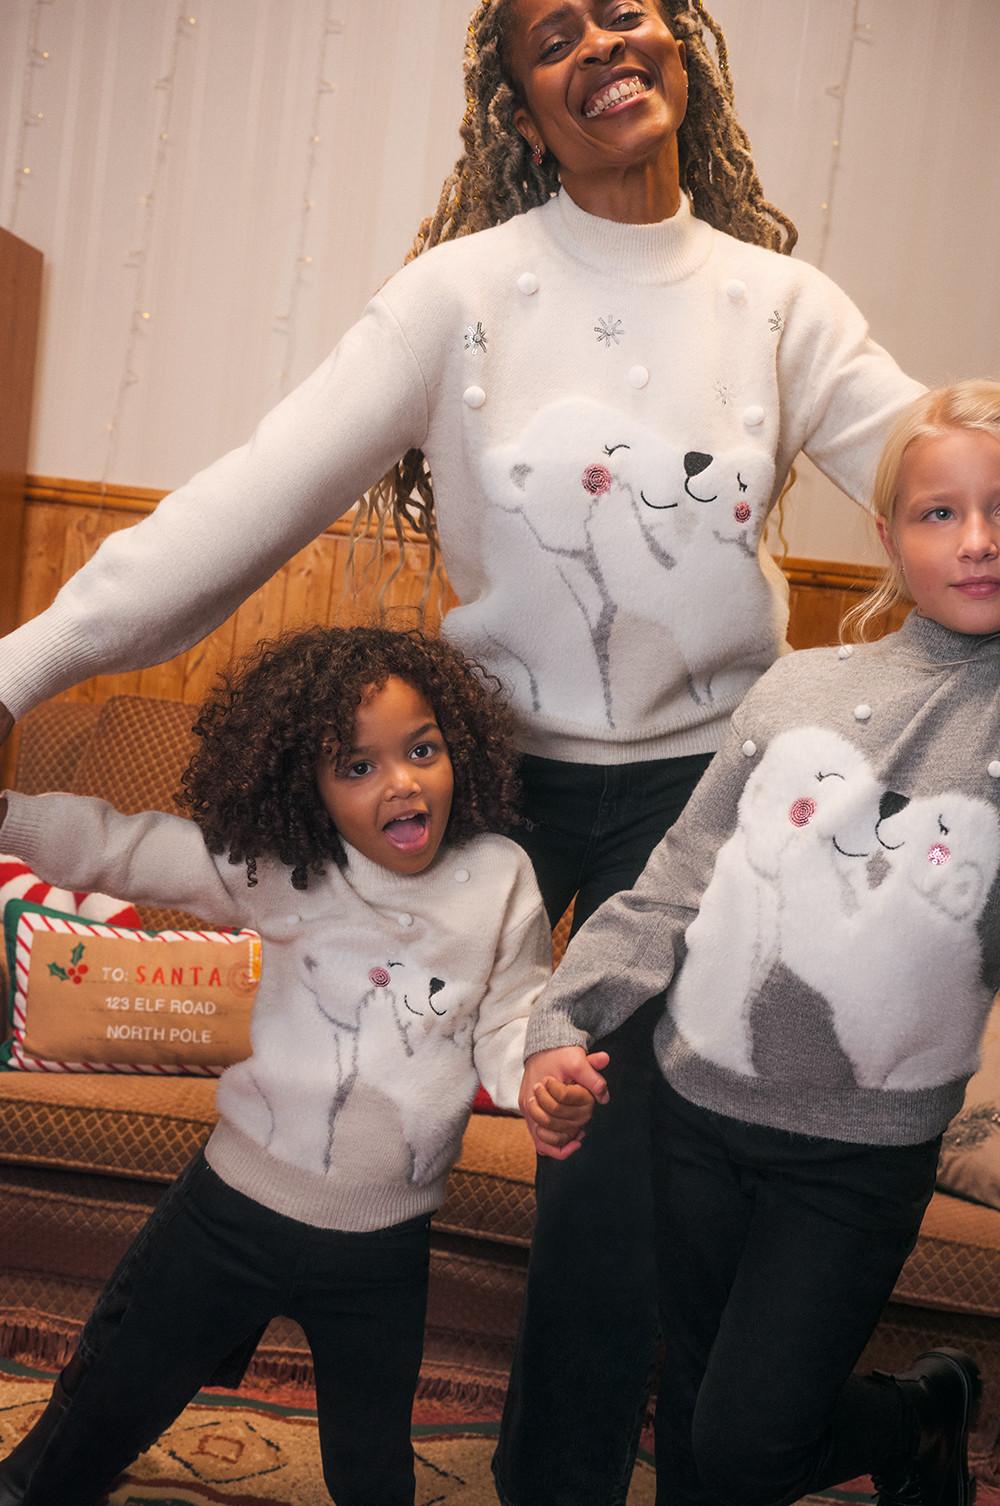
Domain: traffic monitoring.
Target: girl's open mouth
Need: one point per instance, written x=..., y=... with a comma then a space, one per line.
x=408, y=833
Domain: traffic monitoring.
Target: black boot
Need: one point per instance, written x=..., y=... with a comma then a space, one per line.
x=16, y=1470
x=943, y=1388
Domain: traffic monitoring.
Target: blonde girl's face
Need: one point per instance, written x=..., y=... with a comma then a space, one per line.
x=391, y=798
x=945, y=531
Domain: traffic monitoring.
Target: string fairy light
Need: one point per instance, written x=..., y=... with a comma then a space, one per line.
x=137, y=258
x=36, y=58
x=861, y=34
x=286, y=324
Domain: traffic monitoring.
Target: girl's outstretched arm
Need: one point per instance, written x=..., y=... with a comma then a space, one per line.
x=151, y=858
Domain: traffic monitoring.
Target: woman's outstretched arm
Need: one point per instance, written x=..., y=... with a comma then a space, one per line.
x=153, y=590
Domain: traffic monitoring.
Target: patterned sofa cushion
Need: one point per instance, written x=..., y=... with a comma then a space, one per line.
x=148, y=1129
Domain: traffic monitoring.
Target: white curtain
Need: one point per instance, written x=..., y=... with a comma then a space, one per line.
x=171, y=323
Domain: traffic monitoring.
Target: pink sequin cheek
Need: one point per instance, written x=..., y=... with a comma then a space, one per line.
x=938, y=854
x=378, y=977
x=596, y=480
x=743, y=512
x=802, y=811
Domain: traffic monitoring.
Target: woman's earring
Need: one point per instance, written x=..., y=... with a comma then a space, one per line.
x=537, y=154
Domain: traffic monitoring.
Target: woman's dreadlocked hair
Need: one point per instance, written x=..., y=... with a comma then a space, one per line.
x=495, y=178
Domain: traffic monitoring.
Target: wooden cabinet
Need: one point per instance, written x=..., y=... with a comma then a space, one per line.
x=20, y=296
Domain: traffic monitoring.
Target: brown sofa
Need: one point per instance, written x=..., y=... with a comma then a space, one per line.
x=83, y=1159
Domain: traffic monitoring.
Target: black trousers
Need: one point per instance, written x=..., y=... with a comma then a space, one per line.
x=590, y=1306
x=208, y=1271
x=776, y=1254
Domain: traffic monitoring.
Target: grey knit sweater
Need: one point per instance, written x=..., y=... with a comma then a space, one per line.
x=825, y=915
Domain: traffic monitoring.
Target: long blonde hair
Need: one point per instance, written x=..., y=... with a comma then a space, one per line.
x=495, y=178
x=972, y=404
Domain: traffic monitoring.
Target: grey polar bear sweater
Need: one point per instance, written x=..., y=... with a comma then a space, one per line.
x=609, y=412
x=825, y=915
x=382, y=999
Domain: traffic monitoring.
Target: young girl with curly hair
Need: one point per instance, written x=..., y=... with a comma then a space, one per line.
x=346, y=795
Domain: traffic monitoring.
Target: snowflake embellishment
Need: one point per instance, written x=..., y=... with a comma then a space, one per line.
x=776, y=322
x=609, y=331
x=475, y=338
x=723, y=393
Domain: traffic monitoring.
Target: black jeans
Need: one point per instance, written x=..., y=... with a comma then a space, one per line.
x=208, y=1271
x=569, y=1433
x=776, y=1254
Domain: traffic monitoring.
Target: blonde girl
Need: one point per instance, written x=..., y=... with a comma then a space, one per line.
x=825, y=918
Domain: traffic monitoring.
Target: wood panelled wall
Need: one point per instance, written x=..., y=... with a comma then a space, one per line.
x=65, y=521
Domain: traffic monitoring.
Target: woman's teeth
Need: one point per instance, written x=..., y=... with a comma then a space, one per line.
x=623, y=88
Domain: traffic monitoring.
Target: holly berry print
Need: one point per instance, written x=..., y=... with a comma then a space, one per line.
x=77, y=970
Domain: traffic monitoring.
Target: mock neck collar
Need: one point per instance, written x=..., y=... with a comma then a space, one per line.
x=372, y=881
x=942, y=645
x=664, y=252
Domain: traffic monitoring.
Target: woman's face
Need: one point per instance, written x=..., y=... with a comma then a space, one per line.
x=603, y=82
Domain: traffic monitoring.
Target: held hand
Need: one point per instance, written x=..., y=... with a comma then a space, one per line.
x=561, y=1111
x=557, y=1096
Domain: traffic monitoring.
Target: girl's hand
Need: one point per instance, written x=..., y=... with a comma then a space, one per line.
x=558, y=1091
x=559, y=1113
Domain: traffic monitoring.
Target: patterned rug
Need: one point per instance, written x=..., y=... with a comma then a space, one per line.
x=261, y=1450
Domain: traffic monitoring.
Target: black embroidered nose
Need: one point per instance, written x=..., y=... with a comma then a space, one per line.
x=695, y=462
x=436, y=986
x=891, y=804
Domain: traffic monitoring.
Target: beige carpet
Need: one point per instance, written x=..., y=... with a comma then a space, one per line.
x=233, y=1451
x=257, y=1452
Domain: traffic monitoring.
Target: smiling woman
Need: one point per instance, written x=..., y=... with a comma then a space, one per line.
x=612, y=126
x=594, y=374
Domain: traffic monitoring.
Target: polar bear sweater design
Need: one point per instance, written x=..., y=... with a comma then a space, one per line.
x=827, y=910
x=383, y=1000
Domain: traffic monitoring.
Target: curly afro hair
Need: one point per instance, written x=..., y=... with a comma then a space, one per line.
x=251, y=784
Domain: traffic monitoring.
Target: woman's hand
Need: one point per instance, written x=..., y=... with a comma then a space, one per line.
x=551, y=1099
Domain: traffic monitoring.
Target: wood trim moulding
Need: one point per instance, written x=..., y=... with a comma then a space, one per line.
x=103, y=496
x=837, y=575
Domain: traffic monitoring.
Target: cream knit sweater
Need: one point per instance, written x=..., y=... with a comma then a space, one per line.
x=609, y=412
x=383, y=999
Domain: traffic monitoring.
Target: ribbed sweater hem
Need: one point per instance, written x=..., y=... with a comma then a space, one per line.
x=859, y=1116
x=335, y=1201
x=578, y=747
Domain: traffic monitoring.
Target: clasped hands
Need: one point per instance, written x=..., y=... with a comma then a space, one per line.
x=557, y=1097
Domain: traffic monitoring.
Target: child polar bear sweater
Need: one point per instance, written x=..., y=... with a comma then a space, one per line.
x=609, y=412
x=383, y=998
x=825, y=915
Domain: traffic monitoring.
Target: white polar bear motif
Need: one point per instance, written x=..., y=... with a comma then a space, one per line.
x=913, y=940
x=663, y=577
x=398, y=1030
x=805, y=822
